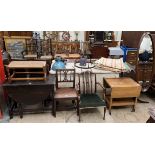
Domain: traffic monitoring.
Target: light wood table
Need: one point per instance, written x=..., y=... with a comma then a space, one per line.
x=69, y=56
x=25, y=70
x=30, y=56
x=46, y=57
x=121, y=92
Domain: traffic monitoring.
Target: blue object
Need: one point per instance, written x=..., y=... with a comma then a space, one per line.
x=145, y=56
x=59, y=64
x=83, y=61
x=125, y=50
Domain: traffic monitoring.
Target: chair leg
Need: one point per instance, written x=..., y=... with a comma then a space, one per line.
x=54, y=108
x=104, y=113
x=79, y=115
x=109, y=109
x=21, y=110
x=77, y=106
x=110, y=103
x=133, y=108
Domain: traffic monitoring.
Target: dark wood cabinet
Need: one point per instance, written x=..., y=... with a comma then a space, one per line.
x=98, y=52
x=144, y=71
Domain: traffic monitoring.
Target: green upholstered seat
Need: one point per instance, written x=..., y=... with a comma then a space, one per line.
x=91, y=100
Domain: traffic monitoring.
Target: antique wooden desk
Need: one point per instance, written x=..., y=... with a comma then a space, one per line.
x=29, y=96
x=26, y=70
x=121, y=92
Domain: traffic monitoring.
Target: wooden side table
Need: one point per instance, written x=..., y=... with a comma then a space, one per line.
x=121, y=92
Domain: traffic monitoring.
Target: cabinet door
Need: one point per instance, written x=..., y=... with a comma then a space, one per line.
x=147, y=74
x=140, y=74
x=144, y=72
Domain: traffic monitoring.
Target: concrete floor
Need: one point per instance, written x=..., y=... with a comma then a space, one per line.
x=119, y=115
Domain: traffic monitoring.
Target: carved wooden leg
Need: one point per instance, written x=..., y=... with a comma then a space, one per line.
x=104, y=113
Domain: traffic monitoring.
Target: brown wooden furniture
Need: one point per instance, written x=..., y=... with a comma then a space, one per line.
x=31, y=46
x=131, y=38
x=132, y=57
x=145, y=70
x=65, y=88
x=121, y=92
x=16, y=33
x=46, y=45
x=98, y=52
x=88, y=92
x=99, y=43
x=61, y=47
x=29, y=96
x=26, y=70
x=111, y=43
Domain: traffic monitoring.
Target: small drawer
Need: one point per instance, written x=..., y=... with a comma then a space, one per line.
x=131, y=54
x=132, y=62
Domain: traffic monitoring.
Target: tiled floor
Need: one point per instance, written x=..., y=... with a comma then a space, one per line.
x=119, y=115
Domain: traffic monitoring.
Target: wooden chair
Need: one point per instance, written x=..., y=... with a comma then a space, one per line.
x=65, y=88
x=87, y=90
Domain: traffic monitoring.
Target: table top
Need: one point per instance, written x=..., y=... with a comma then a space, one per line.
x=27, y=64
x=30, y=56
x=71, y=65
x=121, y=82
x=46, y=57
x=70, y=56
x=50, y=80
